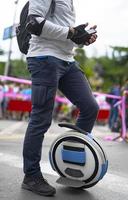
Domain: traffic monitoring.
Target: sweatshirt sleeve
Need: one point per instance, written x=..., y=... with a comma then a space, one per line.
x=50, y=30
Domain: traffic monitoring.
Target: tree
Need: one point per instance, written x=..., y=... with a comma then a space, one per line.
x=115, y=68
x=88, y=67
x=2, y=65
x=19, y=69
x=85, y=63
x=105, y=71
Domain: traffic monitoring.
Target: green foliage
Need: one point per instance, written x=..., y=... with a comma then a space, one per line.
x=19, y=69
x=89, y=67
x=2, y=64
x=105, y=71
x=120, y=49
x=85, y=64
x=115, y=68
x=80, y=57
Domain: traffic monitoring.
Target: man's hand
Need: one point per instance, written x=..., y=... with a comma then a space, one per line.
x=92, y=38
x=80, y=36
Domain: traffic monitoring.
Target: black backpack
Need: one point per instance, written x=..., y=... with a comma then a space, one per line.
x=22, y=35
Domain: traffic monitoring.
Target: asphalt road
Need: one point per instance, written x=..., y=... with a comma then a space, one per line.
x=114, y=185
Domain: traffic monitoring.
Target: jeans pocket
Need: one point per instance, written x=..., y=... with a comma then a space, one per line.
x=39, y=94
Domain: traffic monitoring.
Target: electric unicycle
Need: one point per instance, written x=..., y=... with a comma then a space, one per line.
x=78, y=158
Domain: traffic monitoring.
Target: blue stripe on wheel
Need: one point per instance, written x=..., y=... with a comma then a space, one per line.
x=73, y=156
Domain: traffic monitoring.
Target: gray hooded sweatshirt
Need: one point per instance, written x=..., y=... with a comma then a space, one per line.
x=53, y=39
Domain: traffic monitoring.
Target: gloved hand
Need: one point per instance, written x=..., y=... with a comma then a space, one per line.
x=33, y=26
x=79, y=35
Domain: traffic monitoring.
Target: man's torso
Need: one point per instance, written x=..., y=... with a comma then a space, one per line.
x=64, y=15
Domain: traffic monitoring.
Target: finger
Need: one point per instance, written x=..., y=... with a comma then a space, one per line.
x=92, y=40
x=85, y=25
x=94, y=27
x=86, y=43
x=93, y=37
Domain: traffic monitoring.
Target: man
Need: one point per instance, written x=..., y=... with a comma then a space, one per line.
x=114, y=112
x=51, y=64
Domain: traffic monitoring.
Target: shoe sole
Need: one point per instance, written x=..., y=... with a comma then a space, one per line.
x=26, y=187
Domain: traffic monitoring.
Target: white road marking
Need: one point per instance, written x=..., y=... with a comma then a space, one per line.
x=11, y=129
x=16, y=161
x=110, y=181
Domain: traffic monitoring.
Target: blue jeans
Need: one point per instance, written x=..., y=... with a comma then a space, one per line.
x=113, y=117
x=49, y=73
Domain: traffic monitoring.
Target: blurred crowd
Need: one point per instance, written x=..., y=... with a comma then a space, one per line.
x=114, y=121
x=63, y=109
x=10, y=91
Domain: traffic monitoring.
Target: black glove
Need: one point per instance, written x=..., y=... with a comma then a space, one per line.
x=33, y=26
x=80, y=35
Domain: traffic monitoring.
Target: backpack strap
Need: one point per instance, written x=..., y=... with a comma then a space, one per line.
x=24, y=13
x=51, y=9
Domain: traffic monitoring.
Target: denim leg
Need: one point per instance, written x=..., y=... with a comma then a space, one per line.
x=110, y=122
x=44, y=85
x=75, y=87
x=113, y=117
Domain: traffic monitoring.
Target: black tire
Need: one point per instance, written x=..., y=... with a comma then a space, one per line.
x=89, y=186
